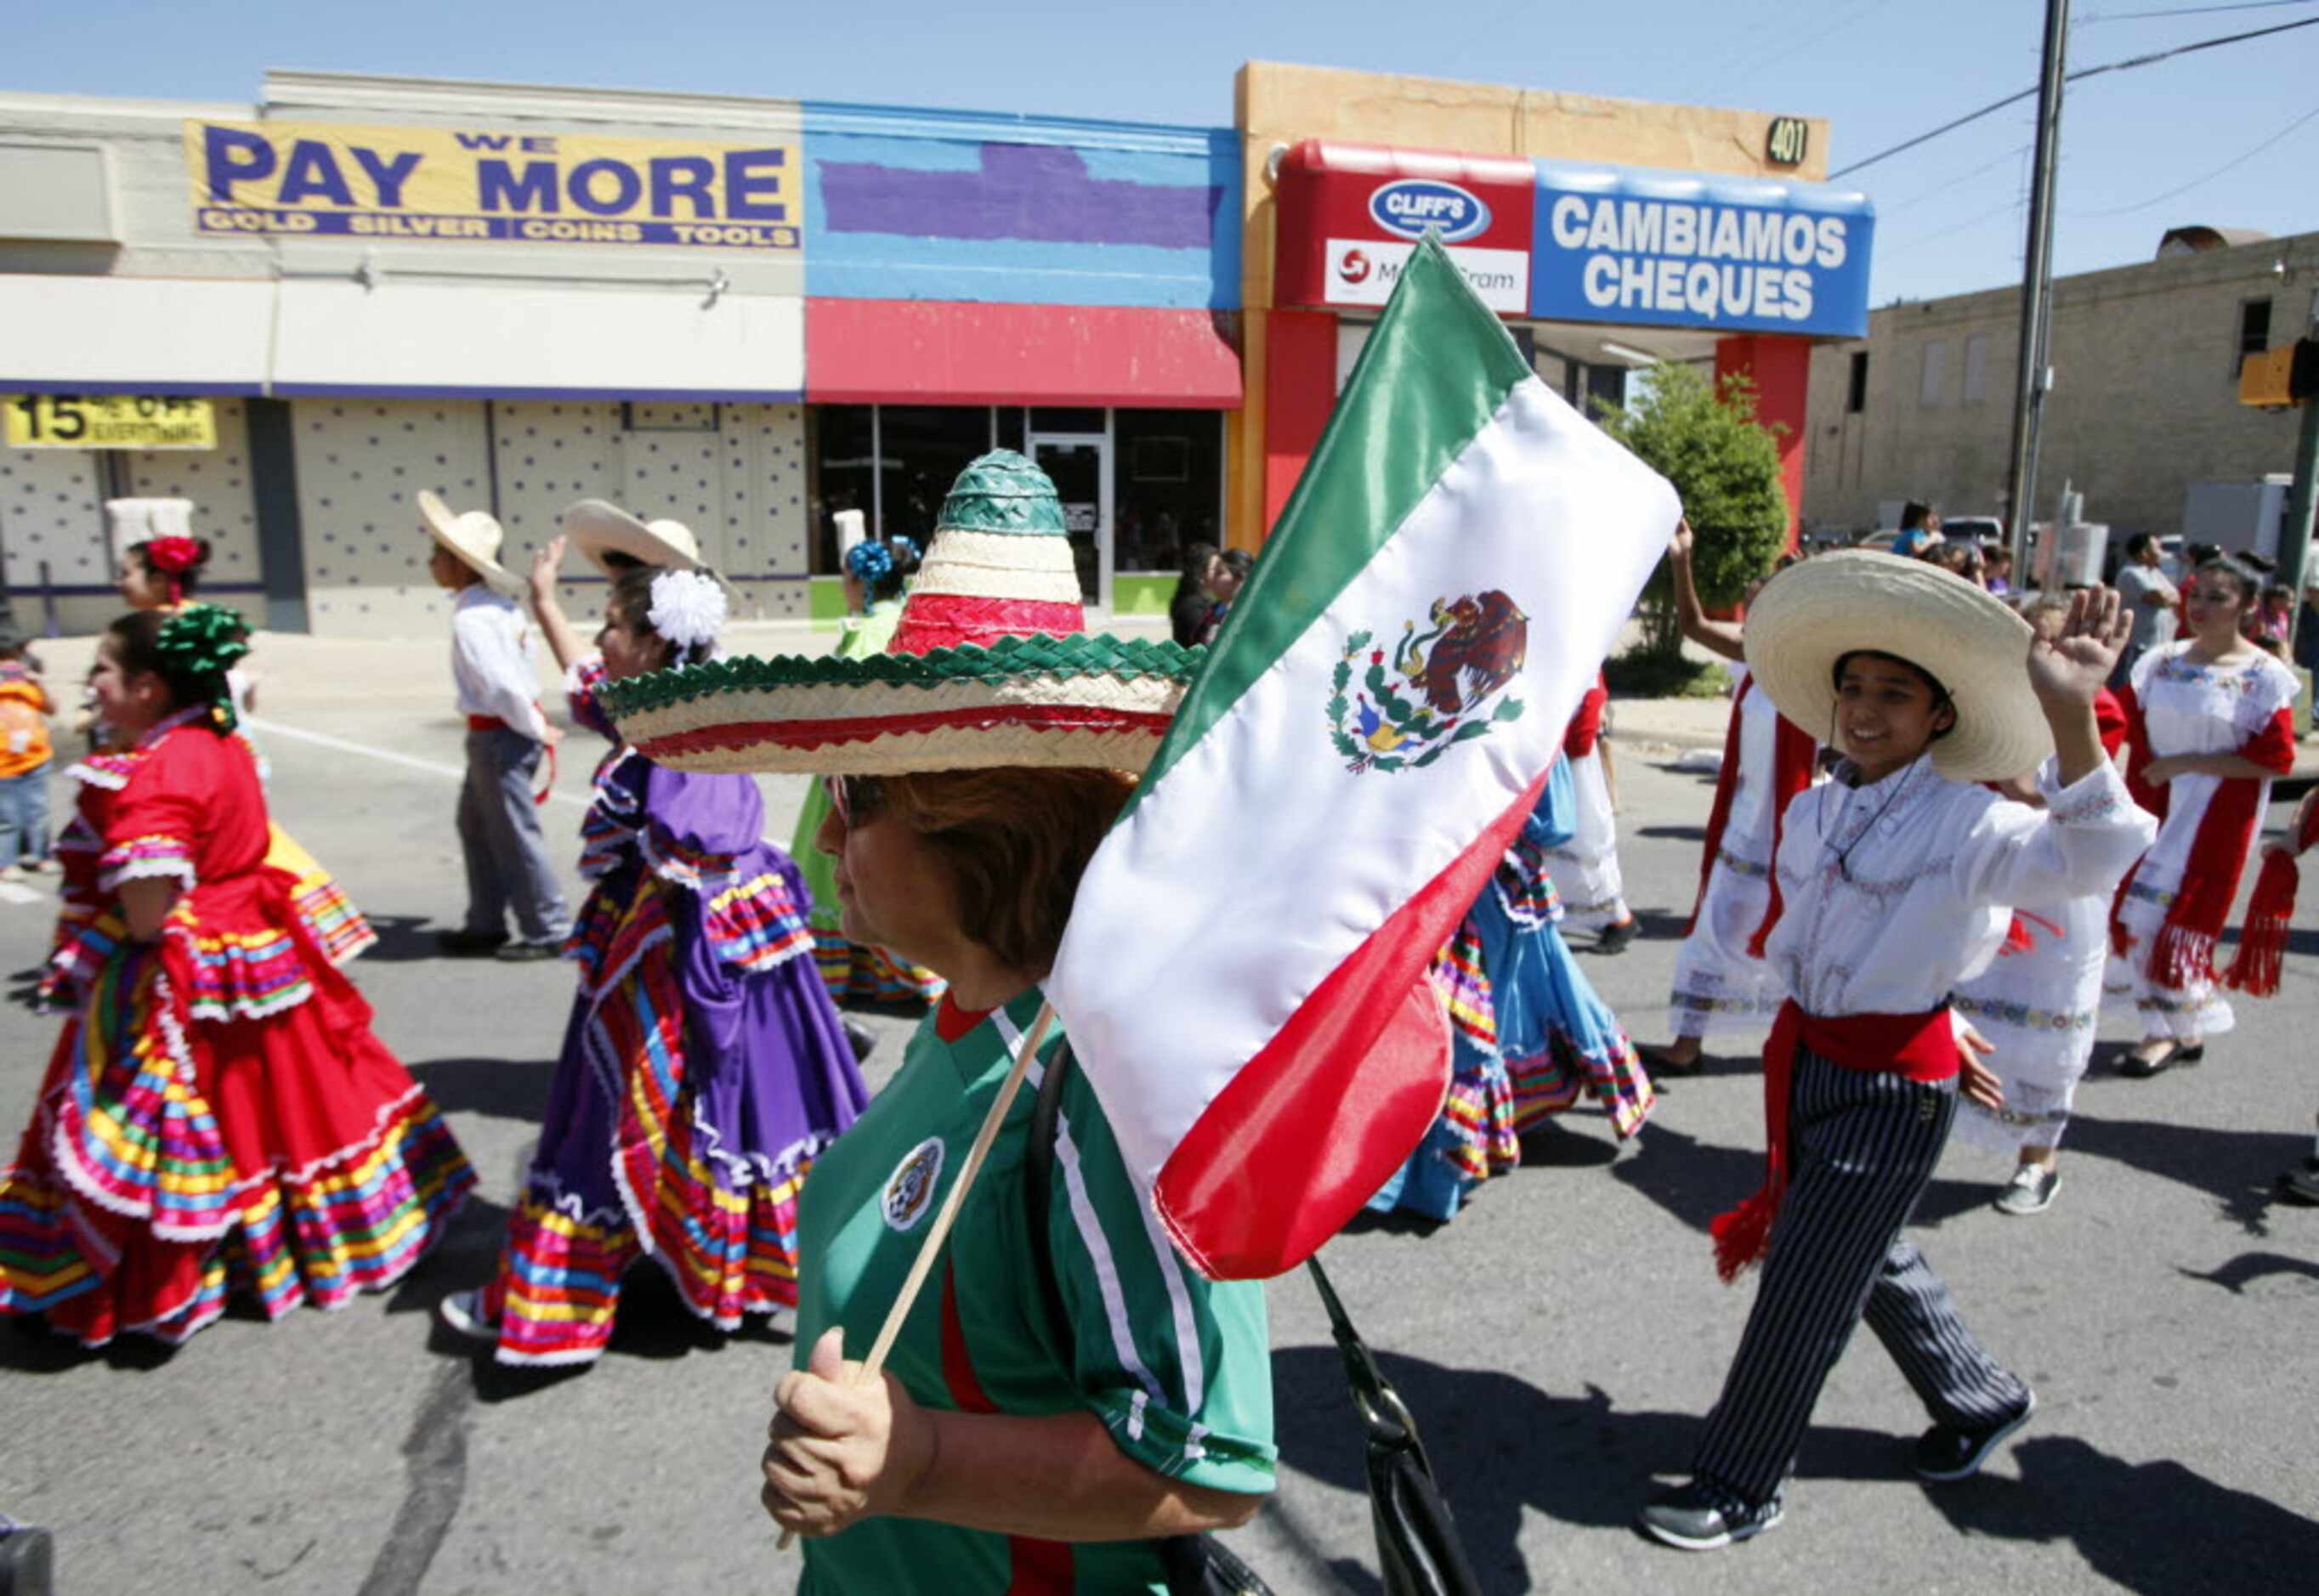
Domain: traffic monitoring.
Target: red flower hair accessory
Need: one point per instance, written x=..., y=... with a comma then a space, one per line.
x=173, y=555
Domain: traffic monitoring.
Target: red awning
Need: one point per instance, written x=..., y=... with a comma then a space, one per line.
x=876, y=351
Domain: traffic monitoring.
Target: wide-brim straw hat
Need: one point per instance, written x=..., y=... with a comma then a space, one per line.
x=474, y=536
x=1812, y=614
x=596, y=528
x=990, y=665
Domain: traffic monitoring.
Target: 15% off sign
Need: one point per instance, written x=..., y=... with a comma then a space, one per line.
x=108, y=421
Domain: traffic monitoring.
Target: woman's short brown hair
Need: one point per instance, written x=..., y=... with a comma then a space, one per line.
x=1015, y=842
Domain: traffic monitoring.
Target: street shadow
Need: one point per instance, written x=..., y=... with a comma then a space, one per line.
x=496, y=1088
x=2236, y=1168
x=1691, y=1179
x=1554, y=1145
x=1393, y=1222
x=2248, y=1267
x=403, y=939
x=28, y=1346
x=2147, y=1527
x=1681, y=833
x=1499, y=1445
x=652, y=1320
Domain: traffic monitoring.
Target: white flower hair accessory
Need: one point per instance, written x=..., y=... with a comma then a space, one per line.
x=688, y=607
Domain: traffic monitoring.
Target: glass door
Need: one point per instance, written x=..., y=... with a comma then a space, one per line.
x=1080, y=464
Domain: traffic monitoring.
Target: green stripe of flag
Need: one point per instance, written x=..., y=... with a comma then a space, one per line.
x=1435, y=371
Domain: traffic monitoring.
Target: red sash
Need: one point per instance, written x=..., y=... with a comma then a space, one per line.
x=2183, y=952
x=1792, y=754
x=1920, y=1047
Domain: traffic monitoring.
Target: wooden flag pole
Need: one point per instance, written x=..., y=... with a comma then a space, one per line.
x=939, y=1232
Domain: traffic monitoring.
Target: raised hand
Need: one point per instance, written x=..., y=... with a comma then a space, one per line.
x=546, y=560
x=2072, y=668
x=1679, y=545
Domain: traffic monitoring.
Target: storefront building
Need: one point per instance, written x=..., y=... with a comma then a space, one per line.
x=752, y=314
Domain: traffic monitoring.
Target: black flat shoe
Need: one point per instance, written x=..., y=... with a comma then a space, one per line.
x=1659, y=1061
x=2136, y=1067
x=1614, y=939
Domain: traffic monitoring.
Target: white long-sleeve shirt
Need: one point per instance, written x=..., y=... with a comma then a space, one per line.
x=491, y=660
x=1897, y=891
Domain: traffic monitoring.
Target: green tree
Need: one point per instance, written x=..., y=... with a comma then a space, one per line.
x=1726, y=465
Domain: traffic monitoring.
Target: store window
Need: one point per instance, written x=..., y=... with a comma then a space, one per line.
x=895, y=463
x=1976, y=368
x=921, y=450
x=2255, y=331
x=841, y=445
x=1935, y=376
x=1169, y=479
x=1857, y=399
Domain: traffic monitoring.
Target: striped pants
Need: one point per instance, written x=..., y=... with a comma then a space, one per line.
x=1864, y=1147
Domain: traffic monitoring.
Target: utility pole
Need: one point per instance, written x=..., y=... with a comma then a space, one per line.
x=2036, y=285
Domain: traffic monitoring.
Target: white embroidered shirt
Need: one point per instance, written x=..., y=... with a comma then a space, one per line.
x=1896, y=891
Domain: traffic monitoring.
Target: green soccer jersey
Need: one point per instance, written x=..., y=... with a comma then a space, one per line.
x=1177, y=1368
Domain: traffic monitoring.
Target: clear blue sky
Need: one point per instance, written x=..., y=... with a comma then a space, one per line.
x=1951, y=213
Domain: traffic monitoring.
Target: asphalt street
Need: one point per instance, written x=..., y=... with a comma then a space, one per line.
x=1559, y=1342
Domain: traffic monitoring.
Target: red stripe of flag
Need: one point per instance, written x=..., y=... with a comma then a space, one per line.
x=1301, y=1091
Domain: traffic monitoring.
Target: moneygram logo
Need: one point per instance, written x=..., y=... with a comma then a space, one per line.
x=1408, y=207
x=1354, y=267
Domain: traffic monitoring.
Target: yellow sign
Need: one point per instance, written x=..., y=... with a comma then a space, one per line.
x=330, y=180
x=2266, y=377
x=109, y=421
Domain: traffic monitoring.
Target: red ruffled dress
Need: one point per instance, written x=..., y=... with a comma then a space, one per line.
x=217, y=1115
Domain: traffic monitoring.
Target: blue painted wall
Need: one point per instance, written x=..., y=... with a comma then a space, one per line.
x=905, y=204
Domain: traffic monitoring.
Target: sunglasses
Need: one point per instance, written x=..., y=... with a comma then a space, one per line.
x=855, y=798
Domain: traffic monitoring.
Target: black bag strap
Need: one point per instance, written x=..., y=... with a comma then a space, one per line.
x=1039, y=1189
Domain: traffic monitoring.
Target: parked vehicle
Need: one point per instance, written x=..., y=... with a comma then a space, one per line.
x=2242, y=518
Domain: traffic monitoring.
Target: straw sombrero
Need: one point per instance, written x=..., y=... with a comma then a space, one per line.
x=598, y=528
x=991, y=664
x=1815, y=613
x=473, y=535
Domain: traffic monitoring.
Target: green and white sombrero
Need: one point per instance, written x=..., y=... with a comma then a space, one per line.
x=991, y=664
x=1860, y=602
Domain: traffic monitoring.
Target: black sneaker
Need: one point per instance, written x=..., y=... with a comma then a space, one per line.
x=2301, y=1183
x=469, y=944
x=1700, y=1517
x=1613, y=939
x=525, y=952
x=1945, y=1453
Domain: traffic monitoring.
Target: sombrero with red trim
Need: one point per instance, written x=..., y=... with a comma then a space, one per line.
x=990, y=664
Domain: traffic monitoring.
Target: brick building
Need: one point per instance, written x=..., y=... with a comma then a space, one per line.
x=2144, y=401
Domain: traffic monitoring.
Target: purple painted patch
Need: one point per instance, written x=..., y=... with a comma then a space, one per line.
x=1022, y=190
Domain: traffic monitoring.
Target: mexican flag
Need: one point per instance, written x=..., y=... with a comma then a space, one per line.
x=1243, y=977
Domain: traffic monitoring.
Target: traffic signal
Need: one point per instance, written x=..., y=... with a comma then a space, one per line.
x=2286, y=375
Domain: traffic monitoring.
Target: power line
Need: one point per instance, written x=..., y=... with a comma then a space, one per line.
x=2140, y=16
x=2237, y=161
x=2127, y=65
x=1939, y=188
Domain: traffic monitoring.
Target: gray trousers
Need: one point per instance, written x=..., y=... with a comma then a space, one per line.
x=1865, y=1146
x=499, y=836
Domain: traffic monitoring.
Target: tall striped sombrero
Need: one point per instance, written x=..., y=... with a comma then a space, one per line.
x=991, y=664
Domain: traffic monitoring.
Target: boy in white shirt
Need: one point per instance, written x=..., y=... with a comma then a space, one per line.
x=506, y=734
x=1898, y=878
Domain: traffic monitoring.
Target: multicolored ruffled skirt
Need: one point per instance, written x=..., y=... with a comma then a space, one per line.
x=174, y=1159
x=702, y=1069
